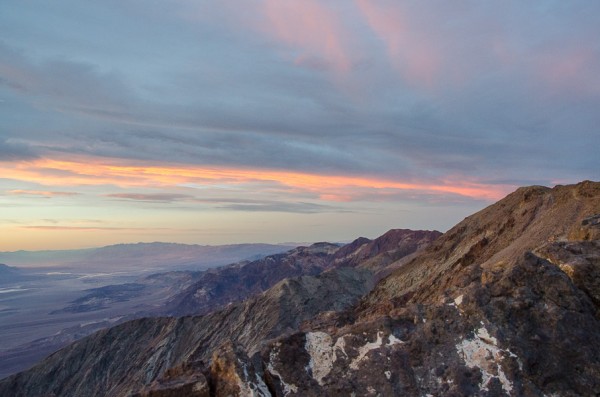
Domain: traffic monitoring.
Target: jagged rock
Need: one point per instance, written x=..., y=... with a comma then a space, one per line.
x=377, y=254
x=233, y=374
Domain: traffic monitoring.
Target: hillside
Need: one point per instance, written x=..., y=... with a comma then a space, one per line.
x=505, y=303
x=216, y=288
x=146, y=353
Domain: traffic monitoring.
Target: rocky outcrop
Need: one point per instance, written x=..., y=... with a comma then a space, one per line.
x=524, y=330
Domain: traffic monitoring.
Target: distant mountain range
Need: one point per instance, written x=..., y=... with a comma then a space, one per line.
x=10, y=274
x=146, y=256
x=505, y=303
x=7, y=271
x=41, y=311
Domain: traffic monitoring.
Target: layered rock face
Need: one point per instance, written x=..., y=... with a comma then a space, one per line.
x=505, y=303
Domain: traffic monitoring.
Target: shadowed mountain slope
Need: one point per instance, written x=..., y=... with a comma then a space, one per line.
x=142, y=353
x=218, y=287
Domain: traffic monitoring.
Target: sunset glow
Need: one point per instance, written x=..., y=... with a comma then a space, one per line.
x=300, y=120
x=49, y=172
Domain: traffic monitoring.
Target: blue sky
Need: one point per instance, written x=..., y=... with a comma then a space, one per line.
x=209, y=122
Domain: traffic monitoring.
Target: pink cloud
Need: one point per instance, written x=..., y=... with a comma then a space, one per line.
x=572, y=69
x=89, y=171
x=311, y=29
x=410, y=52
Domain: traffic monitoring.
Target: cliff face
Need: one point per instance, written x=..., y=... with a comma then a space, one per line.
x=505, y=303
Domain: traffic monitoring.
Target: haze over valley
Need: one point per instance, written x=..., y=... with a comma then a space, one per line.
x=51, y=298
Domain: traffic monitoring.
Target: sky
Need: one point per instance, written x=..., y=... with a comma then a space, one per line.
x=217, y=122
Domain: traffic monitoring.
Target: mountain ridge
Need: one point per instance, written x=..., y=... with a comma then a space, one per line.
x=504, y=303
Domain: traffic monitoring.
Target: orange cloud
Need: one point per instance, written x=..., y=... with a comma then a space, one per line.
x=311, y=28
x=41, y=193
x=95, y=172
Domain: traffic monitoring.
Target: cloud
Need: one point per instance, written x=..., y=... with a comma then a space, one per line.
x=136, y=230
x=41, y=193
x=153, y=197
x=411, y=93
x=63, y=83
x=410, y=52
x=230, y=203
x=311, y=29
x=93, y=228
x=13, y=151
x=91, y=171
x=83, y=228
x=299, y=208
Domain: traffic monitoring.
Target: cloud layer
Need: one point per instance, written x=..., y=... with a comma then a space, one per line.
x=304, y=106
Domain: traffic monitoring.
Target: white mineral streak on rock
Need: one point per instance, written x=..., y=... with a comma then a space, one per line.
x=323, y=354
x=244, y=384
x=484, y=335
x=482, y=352
x=261, y=389
x=248, y=388
x=319, y=347
x=364, y=350
x=287, y=388
x=200, y=293
x=458, y=300
x=340, y=346
x=392, y=340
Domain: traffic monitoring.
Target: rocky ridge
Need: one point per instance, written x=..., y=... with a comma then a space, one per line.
x=217, y=288
x=505, y=303
x=184, y=346
x=146, y=354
